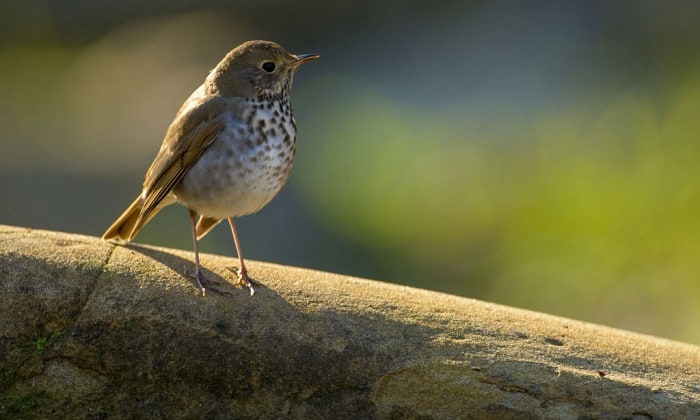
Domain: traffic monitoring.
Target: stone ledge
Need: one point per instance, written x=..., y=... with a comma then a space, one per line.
x=90, y=329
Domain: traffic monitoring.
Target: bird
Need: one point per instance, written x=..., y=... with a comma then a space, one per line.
x=227, y=153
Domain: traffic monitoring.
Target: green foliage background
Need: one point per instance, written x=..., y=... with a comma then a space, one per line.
x=593, y=213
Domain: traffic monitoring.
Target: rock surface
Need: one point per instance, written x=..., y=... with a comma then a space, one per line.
x=93, y=330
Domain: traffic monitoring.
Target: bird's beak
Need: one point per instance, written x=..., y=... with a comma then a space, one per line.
x=303, y=58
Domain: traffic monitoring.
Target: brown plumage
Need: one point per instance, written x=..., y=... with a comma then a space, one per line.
x=228, y=151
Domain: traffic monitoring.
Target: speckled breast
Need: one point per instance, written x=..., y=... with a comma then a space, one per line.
x=246, y=165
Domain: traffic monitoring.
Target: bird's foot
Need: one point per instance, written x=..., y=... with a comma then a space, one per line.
x=244, y=280
x=205, y=284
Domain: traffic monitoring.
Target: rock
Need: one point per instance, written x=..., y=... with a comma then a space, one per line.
x=93, y=330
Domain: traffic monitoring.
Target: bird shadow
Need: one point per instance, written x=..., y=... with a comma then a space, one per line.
x=186, y=269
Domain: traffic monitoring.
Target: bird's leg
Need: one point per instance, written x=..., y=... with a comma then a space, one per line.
x=243, y=279
x=202, y=281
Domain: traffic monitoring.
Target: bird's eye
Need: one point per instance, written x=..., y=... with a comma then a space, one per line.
x=268, y=66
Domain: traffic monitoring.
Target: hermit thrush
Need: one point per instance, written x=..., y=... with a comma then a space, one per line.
x=228, y=151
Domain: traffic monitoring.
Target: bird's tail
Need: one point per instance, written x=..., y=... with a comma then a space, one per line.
x=129, y=223
x=205, y=224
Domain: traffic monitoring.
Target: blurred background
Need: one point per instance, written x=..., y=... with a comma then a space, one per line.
x=536, y=154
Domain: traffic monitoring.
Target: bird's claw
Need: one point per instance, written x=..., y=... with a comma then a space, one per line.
x=205, y=284
x=244, y=280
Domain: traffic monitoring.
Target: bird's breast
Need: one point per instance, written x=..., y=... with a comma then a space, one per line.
x=245, y=166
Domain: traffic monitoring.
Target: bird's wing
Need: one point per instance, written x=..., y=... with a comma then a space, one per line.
x=192, y=131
